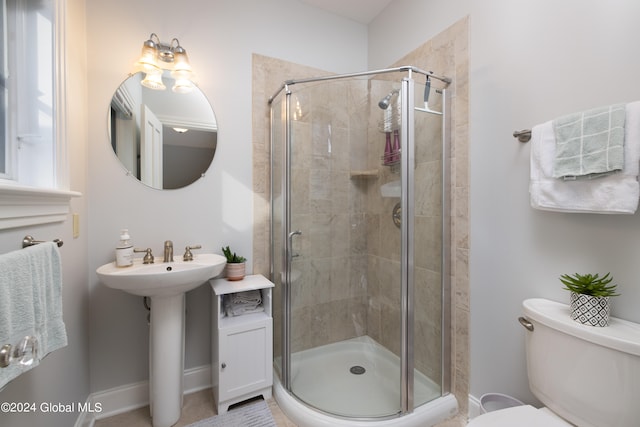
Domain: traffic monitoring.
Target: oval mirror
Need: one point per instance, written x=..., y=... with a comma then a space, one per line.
x=164, y=139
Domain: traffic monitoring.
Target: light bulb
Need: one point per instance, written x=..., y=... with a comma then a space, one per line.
x=182, y=86
x=148, y=58
x=153, y=81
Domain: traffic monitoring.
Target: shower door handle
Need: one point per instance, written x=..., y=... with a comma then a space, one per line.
x=293, y=233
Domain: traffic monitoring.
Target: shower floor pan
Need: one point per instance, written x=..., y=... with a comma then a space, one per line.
x=354, y=378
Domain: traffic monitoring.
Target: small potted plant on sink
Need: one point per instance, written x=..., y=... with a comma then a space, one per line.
x=590, y=295
x=235, y=264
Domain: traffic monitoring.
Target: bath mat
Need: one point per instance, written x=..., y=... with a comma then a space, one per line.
x=255, y=414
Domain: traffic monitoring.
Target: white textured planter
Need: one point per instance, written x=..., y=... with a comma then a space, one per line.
x=589, y=310
x=235, y=271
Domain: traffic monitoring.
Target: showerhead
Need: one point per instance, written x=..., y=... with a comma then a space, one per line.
x=384, y=102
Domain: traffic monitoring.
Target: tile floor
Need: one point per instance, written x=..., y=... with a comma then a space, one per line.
x=197, y=406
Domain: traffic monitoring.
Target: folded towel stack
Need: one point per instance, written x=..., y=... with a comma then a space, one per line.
x=614, y=193
x=241, y=303
x=31, y=305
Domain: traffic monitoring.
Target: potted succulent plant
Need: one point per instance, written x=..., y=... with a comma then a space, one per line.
x=590, y=295
x=235, y=264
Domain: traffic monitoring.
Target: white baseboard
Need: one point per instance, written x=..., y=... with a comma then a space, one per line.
x=114, y=401
x=85, y=419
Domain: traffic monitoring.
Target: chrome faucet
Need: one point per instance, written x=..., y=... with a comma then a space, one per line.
x=168, y=251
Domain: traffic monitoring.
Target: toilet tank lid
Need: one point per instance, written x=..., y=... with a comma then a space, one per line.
x=620, y=335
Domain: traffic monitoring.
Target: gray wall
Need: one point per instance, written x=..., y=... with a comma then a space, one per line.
x=530, y=62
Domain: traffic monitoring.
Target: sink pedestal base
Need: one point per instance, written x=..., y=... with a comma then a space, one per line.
x=166, y=359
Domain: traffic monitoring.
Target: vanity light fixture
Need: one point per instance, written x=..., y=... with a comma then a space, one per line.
x=157, y=56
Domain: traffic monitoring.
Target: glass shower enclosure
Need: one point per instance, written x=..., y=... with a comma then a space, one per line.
x=360, y=248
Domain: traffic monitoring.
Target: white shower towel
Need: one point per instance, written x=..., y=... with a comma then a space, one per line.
x=618, y=193
x=31, y=303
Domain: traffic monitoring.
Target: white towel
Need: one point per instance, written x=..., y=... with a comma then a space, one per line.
x=618, y=193
x=31, y=303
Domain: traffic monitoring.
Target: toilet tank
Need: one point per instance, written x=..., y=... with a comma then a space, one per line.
x=590, y=376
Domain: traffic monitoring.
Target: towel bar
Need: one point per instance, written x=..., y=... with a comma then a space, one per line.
x=30, y=241
x=523, y=135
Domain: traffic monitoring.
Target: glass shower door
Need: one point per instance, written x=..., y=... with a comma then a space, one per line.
x=431, y=199
x=360, y=244
x=342, y=347
x=278, y=138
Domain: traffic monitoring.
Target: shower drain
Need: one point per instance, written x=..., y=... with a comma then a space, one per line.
x=357, y=370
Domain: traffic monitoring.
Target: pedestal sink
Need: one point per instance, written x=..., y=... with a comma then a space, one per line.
x=166, y=285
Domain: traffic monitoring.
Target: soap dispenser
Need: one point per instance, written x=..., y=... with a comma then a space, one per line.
x=124, y=251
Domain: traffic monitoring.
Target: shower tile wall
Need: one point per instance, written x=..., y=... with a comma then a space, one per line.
x=383, y=238
x=329, y=293
x=428, y=243
x=446, y=54
x=268, y=75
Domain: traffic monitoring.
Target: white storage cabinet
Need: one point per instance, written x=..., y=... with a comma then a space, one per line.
x=241, y=346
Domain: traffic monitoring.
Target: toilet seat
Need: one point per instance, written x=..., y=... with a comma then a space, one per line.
x=521, y=416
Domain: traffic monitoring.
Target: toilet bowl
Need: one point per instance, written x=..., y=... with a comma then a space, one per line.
x=520, y=416
x=561, y=357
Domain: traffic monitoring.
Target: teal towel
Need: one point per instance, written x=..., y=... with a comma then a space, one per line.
x=31, y=303
x=589, y=144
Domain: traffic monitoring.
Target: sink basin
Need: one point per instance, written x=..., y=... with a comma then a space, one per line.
x=162, y=278
x=166, y=284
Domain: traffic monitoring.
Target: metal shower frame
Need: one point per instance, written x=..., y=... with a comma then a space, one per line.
x=407, y=230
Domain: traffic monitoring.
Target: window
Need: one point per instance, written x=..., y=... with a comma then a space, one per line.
x=33, y=165
x=4, y=95
x=28, y=78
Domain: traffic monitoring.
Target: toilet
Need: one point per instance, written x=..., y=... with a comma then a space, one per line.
x=585, y=376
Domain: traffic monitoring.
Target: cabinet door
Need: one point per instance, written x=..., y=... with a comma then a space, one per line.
x=245, y=359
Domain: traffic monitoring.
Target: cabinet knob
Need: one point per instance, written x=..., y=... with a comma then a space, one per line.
x=224, y=365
